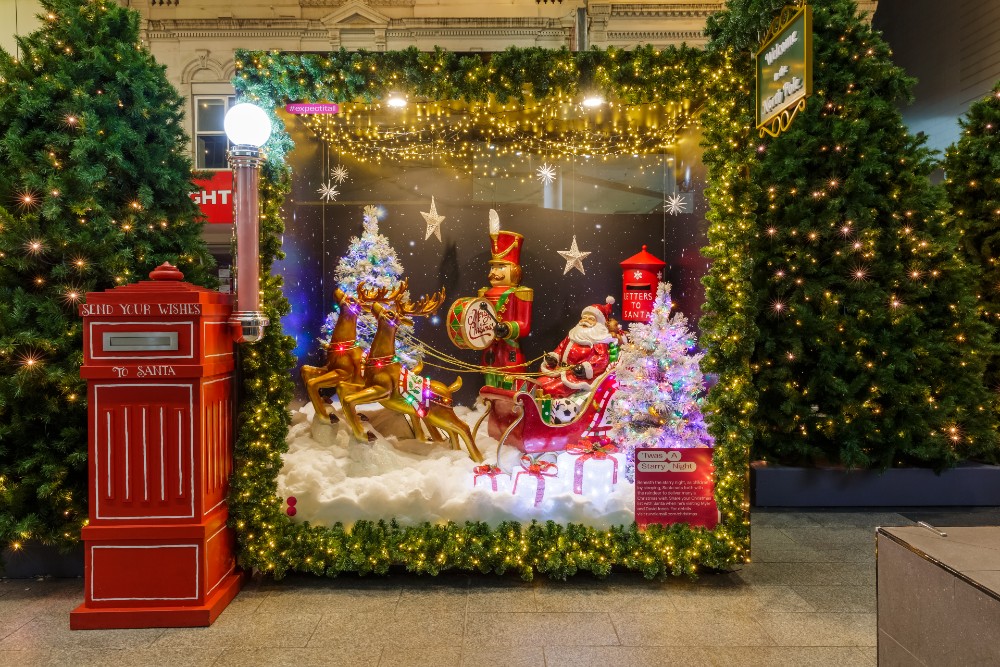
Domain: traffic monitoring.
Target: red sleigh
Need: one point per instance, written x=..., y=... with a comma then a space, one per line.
x=515, y=419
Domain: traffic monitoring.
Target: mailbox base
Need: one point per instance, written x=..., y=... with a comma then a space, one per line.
x=88, y=618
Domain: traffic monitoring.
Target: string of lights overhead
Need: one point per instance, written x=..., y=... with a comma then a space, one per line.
x=464, y=134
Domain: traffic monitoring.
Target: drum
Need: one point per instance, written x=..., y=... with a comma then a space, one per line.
x=470, y=323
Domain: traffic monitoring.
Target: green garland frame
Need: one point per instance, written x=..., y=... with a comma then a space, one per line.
x=271, y=543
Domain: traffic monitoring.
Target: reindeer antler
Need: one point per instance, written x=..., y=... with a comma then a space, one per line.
x=382, y=294
x=425, y=306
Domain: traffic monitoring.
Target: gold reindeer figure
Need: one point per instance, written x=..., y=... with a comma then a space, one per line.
x=344, y=366
x=382, y=379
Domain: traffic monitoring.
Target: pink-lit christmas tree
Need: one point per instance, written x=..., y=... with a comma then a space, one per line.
x=660, y=386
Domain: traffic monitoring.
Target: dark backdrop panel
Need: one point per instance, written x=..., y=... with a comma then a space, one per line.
x=318, y=234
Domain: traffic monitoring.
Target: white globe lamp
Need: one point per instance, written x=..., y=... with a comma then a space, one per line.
x=247, y=125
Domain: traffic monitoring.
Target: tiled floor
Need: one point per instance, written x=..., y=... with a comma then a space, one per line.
x=807, y=599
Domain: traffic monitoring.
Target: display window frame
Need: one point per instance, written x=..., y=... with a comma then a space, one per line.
x=270, y=540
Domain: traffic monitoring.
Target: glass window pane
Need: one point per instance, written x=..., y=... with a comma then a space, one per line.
x=212, y=151
x=211, y=113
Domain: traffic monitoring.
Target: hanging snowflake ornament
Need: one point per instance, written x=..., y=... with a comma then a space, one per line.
x=675, y=204
x=433, y=221
x=546, y=173
x=574, y=258
x=328, y=191
x=339, y=173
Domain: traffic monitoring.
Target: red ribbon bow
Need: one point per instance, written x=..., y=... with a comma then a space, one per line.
x=600, y=449
x=539, y=469
x=487, y=470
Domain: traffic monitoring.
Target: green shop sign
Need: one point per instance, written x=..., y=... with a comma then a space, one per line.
x=784, y=70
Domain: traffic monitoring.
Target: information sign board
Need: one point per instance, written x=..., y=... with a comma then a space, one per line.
x=675, y=486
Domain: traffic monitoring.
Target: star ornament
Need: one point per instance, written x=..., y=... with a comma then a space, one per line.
x=328, y=191
x=675, y=204
x=574, y=258
x=339, y=174
x=433, y=221
x=546, y=173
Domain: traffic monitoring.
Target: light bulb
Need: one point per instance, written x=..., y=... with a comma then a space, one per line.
x=247, y=125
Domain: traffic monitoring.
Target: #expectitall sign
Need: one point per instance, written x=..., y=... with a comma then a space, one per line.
x=784, y=68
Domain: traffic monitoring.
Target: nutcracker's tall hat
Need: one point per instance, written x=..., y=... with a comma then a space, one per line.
x=505, y=246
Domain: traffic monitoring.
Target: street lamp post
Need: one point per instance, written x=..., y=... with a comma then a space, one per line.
x=248, y=128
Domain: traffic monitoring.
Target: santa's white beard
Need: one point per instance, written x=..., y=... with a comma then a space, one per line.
x=589, y=336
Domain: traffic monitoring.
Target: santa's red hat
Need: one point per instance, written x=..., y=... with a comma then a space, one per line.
x=600, y=311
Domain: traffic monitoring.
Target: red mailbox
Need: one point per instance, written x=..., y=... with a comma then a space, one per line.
x=158, y=359
x=641, y=274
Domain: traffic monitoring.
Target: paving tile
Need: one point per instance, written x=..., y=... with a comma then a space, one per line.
x=832, y=537
x=784, y=554
x=604, y=597
x=41, y=657
x=688, y=629
x=514, y=598
x=439, y=655
x=623, y=656
x=540, y=628
x=784, y=656
x=779, y=518
x=820, y=629
x=855, y=599
x=859, y=519
x=864, y=554
x=355, y=656
x=416, y=600
x=521, y=655
x=246, y=602
x=869, y=656
x=792, y=573
x=284, y=630
x=743, y=600
x=765, y=536
x=84, y=657
x=416, y=628
x=52, y=632
x=855, y=574
x=316, y=600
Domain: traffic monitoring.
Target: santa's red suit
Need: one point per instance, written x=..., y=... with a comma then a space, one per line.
x=587, y=347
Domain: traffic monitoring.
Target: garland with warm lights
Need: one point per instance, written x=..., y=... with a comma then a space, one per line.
x=271, y=543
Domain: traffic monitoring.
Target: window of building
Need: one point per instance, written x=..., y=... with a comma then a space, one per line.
x=210, y=142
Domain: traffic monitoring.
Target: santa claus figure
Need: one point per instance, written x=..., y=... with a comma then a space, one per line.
x=581, y=357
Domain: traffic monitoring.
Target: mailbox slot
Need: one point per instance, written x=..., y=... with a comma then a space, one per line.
x=637, y=287
x=135, y=341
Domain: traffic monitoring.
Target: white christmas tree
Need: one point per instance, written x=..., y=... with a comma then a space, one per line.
x=372, y=260
x=660, y=386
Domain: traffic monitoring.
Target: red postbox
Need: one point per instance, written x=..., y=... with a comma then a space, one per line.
x=641, y=274
x=158, y=359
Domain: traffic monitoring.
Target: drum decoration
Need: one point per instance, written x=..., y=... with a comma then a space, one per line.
x=470, y=323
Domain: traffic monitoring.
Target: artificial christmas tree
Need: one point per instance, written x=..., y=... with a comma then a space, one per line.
x=371, y=260
x=868, y=349
x=972, y=168
x=93, y=155
x=660, y=386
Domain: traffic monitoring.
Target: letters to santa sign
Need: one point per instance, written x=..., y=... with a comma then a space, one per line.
x=214, y=197
x=675, y=486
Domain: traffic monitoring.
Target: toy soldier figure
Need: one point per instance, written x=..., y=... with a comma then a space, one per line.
x=512, y=304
